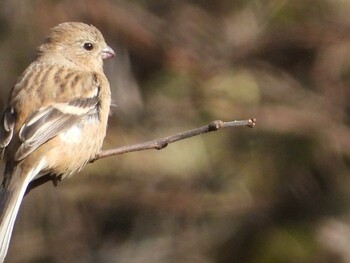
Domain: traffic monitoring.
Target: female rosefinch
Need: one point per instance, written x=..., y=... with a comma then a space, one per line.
x=56, y=116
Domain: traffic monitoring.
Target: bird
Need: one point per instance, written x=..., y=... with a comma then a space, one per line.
x=55, y=119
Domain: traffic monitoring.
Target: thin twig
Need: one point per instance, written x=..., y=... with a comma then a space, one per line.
x=163, y=142
x=154, y=144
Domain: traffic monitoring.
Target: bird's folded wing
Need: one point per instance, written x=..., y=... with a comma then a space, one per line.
x=46, y=123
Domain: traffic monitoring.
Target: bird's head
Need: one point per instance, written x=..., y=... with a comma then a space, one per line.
x=77, y=42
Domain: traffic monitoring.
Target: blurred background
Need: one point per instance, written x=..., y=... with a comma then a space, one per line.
x=277, y=193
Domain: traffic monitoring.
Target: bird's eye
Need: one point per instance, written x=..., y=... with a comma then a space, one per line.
x=88, y=46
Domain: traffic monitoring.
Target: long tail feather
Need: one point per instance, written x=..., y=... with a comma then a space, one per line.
x=11, y=195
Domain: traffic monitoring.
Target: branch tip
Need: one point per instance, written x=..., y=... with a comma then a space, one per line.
x=251, y=123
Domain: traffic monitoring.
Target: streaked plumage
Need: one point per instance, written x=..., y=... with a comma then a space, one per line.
x=56, y=117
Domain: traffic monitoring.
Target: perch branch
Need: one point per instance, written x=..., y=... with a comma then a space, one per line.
x=153, y=144
x=159, y=144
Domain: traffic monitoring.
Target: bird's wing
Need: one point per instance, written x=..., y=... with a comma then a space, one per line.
x=46, y=123
x=76, y=98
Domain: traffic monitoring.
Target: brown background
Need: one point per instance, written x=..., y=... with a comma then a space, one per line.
x=276, y=193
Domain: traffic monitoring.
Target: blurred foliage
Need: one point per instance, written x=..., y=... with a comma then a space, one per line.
x=275, y=193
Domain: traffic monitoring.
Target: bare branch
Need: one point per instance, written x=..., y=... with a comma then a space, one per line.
x=163, y=142
x=154, y=144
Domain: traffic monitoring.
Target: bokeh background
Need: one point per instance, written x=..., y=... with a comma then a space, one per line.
x=277, y=193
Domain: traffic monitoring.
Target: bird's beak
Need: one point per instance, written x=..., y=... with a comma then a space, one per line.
x=107, y=53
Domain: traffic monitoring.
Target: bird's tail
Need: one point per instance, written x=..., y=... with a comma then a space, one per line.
x=11, y=194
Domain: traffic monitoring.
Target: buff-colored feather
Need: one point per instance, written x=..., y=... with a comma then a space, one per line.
x=56, y=116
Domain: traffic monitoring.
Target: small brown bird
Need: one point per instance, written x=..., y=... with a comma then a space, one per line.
x=56, y=115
